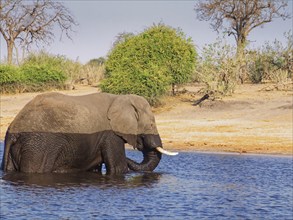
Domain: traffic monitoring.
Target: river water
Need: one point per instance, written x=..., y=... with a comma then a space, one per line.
x=188, y=186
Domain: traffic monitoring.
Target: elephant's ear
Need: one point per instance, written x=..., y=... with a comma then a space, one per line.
x=123, y=119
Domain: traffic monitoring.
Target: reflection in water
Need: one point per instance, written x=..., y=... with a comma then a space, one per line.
x=130, y=180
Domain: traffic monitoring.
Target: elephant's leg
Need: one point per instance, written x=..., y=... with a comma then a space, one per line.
x=30, y=163
x=36, y=162
x=13, y=159
x=22, y=157
x=114, y=156
x=37, y=153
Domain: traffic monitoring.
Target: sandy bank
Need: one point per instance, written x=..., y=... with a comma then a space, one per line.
x=251, y=121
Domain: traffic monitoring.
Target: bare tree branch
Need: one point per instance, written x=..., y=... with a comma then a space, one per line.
x=28, y=22
x=239, y=18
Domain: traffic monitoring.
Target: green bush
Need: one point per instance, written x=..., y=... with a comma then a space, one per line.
x=149, y=63
x=35, y=63
x=11, y=79
x=145, y=83
x=256, y=68
x=42, y=77
x=74, y=71
x=43, y=71
x=272, y=62
x=29, y=78
x=40, y=74
x=43, y=58
x=10, y=75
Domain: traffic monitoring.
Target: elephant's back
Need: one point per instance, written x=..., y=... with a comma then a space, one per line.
x=59, y=113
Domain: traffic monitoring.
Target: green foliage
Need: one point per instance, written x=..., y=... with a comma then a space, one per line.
x=44, y=58
x=10, y=79
x=272, y=62
x=74, y=71
x=121, y=37
x=10, y=75
x=30, y=77
x=256, y=67
x=39, y=74
x=217, y=68
x=146, y=83
x=49, y=64
x=42, y=71
x=148, y=63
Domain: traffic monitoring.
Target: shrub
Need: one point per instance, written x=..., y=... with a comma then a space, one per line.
x=149, y=63
x=44, y=58
x=30, y=77
x=11, y=79
x=74, y=71
x=272, y=62
x=42, y=65
x=145, y=83
x=217, y=68
x=10, y=75
x=42, y=71
x=255, y=67
x=40, y=74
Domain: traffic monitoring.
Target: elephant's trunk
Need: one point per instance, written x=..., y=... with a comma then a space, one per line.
x=150, y=161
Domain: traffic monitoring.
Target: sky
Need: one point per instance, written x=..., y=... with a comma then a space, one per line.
x=101, y=21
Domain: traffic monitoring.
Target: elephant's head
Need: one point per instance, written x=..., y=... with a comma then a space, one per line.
x=132, y=119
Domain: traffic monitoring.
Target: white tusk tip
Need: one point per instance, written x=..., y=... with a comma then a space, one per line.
x=161, y=150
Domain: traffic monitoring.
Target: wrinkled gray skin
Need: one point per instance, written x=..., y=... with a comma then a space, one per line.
x=60, y=133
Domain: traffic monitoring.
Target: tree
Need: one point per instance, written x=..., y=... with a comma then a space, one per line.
x=150, y=62
x=27, y=22
x=97, y=61
x=241, y=16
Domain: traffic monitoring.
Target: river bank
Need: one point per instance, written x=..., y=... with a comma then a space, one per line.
x=251, y=121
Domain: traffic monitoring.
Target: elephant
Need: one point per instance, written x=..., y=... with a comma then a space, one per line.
x=58, y=133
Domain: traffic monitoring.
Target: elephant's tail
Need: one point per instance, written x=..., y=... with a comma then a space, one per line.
x=7, y=163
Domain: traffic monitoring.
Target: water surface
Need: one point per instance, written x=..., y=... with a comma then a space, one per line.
x=189, y=186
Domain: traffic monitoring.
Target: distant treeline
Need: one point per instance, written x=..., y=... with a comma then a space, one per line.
x=43, y=71
x=153, y=63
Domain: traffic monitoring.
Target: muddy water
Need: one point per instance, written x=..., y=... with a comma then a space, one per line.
x=189, y=186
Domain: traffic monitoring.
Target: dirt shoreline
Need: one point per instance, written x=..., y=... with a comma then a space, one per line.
x=252, y=121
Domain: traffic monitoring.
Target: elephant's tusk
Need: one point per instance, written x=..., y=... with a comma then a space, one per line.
x=161, y=150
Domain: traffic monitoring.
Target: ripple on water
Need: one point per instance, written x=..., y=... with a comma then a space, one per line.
x=189, y=186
